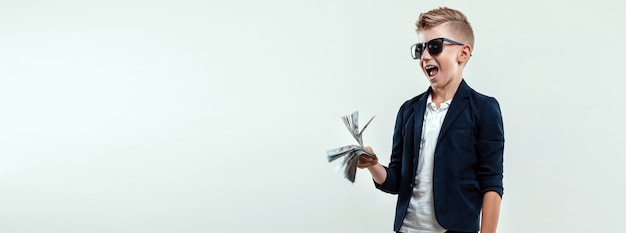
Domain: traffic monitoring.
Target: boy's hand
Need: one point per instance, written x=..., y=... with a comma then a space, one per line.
x=366, y=161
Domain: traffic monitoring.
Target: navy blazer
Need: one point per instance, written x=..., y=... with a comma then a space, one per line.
x=468, y=158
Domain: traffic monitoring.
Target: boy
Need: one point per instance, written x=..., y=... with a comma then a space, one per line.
x=448, y=143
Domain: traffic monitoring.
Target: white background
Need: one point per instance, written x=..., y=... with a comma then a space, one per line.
x=215, y=116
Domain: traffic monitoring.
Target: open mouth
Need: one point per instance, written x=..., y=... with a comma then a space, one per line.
x=431, y=70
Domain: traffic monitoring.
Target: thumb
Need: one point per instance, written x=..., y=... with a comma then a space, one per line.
x=369, y=149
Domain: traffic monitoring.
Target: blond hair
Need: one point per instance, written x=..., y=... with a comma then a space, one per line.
x=454, y=19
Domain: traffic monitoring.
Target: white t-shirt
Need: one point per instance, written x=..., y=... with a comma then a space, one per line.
x=420, y=216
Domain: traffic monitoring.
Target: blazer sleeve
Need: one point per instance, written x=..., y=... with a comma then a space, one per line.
x=392, y=182
x=490, y=148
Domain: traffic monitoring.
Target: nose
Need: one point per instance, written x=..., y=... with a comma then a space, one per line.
x=426, y=55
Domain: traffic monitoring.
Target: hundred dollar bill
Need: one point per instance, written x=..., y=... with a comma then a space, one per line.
x=350, y=154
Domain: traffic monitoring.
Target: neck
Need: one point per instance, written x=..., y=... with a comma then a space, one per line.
x=441, y=94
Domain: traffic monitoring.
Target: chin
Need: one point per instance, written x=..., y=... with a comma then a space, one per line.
x=438, y=82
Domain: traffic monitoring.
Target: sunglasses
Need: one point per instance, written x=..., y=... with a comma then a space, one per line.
x=434, y=46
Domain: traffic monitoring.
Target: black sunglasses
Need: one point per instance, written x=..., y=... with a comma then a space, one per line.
x=434, y=46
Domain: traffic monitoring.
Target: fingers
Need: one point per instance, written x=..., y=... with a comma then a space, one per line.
x=366, y=161
x=364, y=165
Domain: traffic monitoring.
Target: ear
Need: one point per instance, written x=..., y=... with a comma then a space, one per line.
x=464, y=54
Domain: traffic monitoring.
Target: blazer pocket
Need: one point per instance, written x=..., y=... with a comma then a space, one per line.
x=462, y=128
x=470, y=192
x=463, y=133
x=462, y=139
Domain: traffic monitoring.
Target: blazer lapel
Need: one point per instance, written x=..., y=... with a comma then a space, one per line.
x=418, y=116
x=459, y=103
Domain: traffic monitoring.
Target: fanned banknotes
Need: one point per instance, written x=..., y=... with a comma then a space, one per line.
x=350, y=154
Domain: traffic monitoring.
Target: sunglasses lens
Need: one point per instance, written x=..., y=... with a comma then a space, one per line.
x=417, y=50
x=435, y=46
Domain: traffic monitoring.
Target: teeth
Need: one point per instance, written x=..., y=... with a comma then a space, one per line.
x=429, y=69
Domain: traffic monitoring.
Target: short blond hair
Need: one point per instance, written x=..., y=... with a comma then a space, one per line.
x=454, y=19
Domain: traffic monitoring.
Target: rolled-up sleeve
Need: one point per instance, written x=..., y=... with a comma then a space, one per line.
x=490, y=148
x=392, y=182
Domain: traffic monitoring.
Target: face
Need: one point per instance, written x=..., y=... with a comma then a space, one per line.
x=443, y=68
